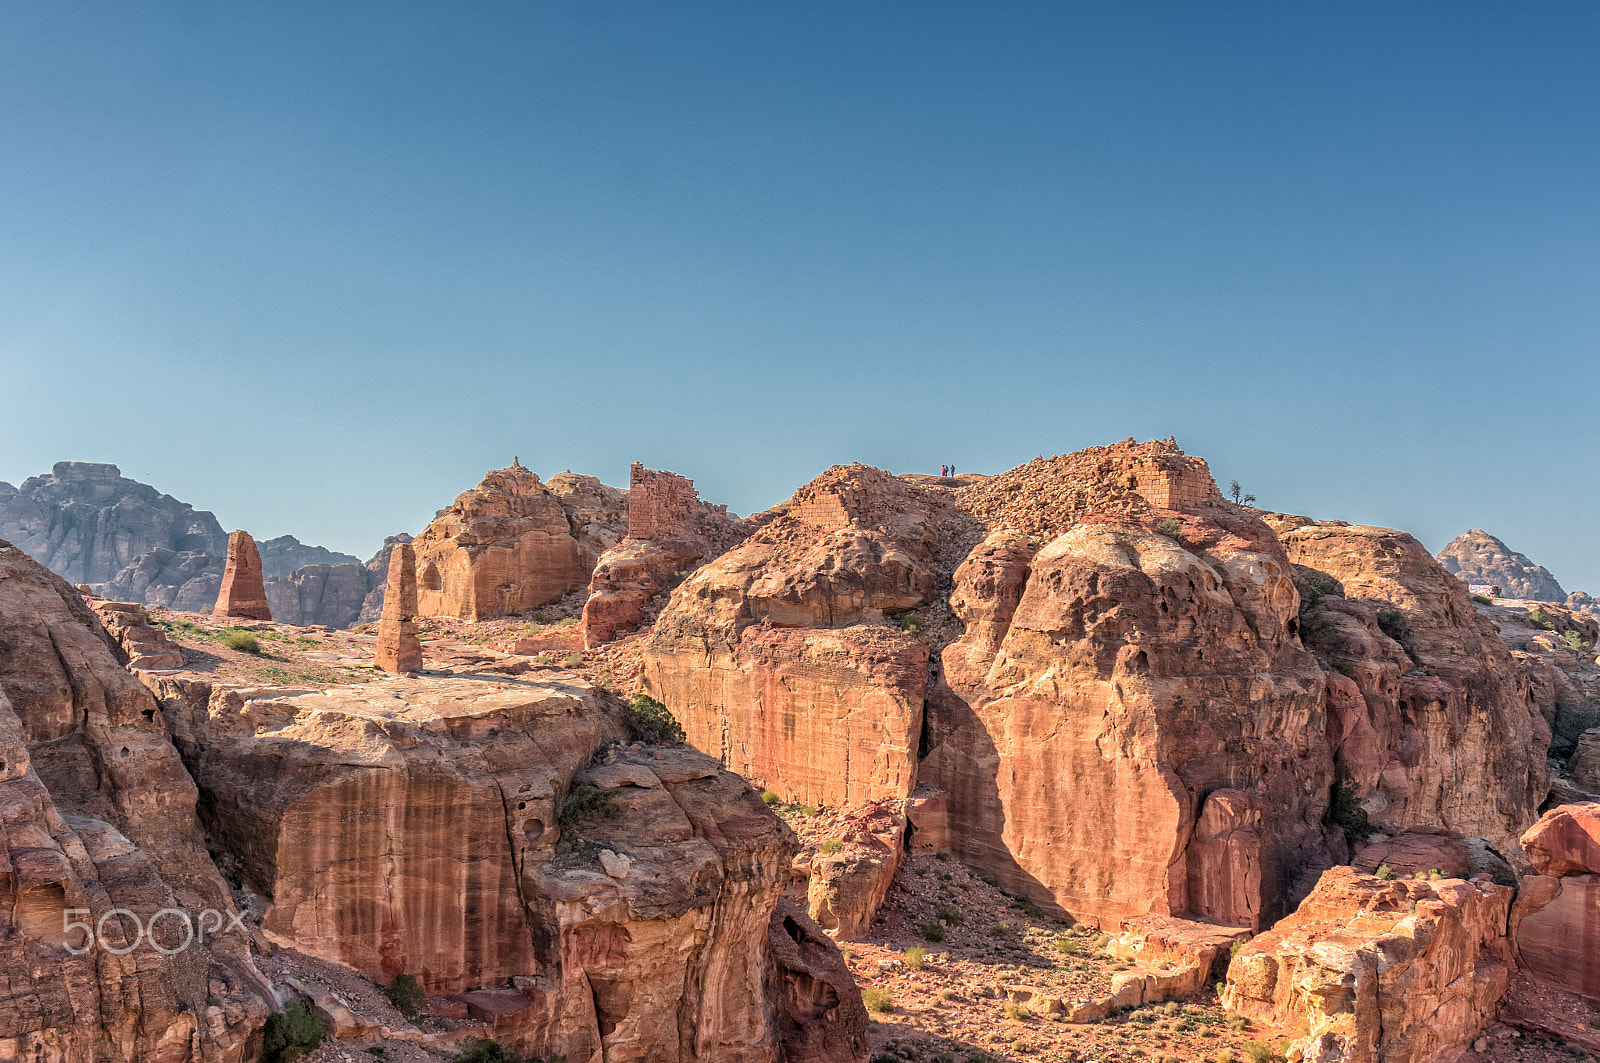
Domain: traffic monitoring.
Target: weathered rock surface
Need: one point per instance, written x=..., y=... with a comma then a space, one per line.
x=185, y=580
x=97, y=813
x=820, y=1015
x=1585, y=763
x=377, y=567
x=399, y=649
x=142, y=644
x=1379, y=971
x=776, y=657
x=1424, y=850
x=86, y=521
x=513, y=543
x=285, y=555
x=845, y=888
x=1556, y=922
x=243, y=592
x=1478, y=557
x=1432, y=718
x=329, y=595
x=447, y=828
x=670, y=533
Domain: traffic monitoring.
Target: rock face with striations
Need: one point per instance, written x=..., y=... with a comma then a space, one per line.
x=97, y=813
x=399, y=649
x=1431, y=718
x=1130, y=654
x=670, y=532
x=243, y=593
x=466, y=834
x=514, y=543
x=1379, y=971
x=1556, y=922
x=1478, y=557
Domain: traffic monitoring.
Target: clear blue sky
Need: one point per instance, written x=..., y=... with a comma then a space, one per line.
x=316, y=267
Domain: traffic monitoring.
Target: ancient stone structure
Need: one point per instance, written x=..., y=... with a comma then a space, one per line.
x=670, y=532
x=377, y=567
x=1379, y=971
x=1478, y=557
x=97, y=813
x=143, y=645
x=1432, y=719
x=399, y=649
x=514, y=543
x=243, y=592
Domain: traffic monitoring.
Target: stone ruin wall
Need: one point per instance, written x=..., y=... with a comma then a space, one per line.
x=664, y=505
x=1174, y=482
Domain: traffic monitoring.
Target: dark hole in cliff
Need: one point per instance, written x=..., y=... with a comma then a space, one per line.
x=521, y=805
x=924, y=739
x=124, y=751
x=149, y=714
x=1139, y=663
x=794, y=930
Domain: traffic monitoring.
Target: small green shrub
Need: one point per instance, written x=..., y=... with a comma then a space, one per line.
x=675, y=580
x=914, y=957
x=1576, y=643
x=650, y=722
x=1256, y=1052
x=808, y=810
x=1345, y=811
x=931, y=931
x=770, y=797
x=573, y=660
x=879, y=1000
x=480, y=1050
x=1482, y=599
x=290, y=1034
x=1001, y=929
x=406, y=994
x=582, y=800
x=1384, y=872
x=908, y=623
x=832, y=845
x=1017, y=1012
x=1172, y=528
x=1066, y=946
x=1392, y=622
x=950, y=914
x=242, y=641
x=1541, y=619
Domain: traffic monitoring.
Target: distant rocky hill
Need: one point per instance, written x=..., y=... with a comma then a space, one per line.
x=90, y=524
x=1479, y=557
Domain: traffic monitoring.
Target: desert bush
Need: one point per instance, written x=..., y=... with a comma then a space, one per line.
x=770, y=797
x=948, y=995
x=649, y=722
x=1482, y=599
x=950, y=914
x=1345, y=811
x=481, y=1050
x=1225, y=1056
x=1392, y=622
x=931, y=931
x=1256, y=1052
x=1172, y=528
x=808, y=810
x=1541, y=619
x=1017, y=1012
x=406, y=994
x=915, y=957
x=242, y=641
x=290, y=1034
x=582, y=800
x=1576, y=643
x=1066, y=946
x=832, y=845
x=876, y=999
x=908, y=623
x=1001, y=929
x=1383, y=872
x=572, y=660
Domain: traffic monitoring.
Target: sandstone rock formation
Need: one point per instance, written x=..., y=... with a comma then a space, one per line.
x=1478, y=557
x=1426, y=850
x=329, y=595
x=86, y=521
x=285, y=555
x=96, y=814
x=1556, y=922
x=243, y=593
x=377, y=567
x=1585, y=762
x=670, y=532
x=1379, y=971
x=448, y=828
x=142, y=644
x=1116, y=670
x=1430, y=717
x=845, y=888
x=399, y=649
x=185, y=580
x=513, y=543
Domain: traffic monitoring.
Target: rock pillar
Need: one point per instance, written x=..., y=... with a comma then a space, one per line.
x=243, y=592
x=399, y=650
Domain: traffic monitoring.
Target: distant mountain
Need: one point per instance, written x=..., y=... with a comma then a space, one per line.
x=89, y=524
x=1479, y=557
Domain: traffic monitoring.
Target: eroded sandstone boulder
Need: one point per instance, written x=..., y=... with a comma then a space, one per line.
x=1555, y=925
x=1478, y=557
x=243, y=592
x=513, y=543
x=399, y=649
x=96, y=814
x=1437, y=725
x=1377, y=971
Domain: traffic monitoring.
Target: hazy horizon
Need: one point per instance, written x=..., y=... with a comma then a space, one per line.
x=317, y=270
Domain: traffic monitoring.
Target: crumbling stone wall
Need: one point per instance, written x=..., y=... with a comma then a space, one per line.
x=664, y=505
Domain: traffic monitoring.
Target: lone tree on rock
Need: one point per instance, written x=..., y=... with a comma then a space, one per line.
x=1234, y=490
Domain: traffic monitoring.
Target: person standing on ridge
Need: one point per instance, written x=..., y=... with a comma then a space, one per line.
x=944, y=470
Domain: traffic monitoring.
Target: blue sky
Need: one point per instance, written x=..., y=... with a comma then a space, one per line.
x=317, y=267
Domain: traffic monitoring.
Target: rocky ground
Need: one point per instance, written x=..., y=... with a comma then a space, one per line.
x=950, y=955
